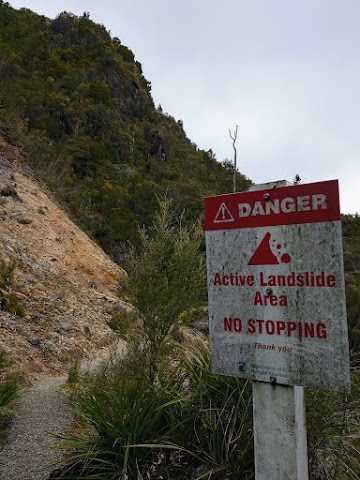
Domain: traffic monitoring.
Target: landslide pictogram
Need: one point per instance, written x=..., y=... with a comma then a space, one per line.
x=269, y=252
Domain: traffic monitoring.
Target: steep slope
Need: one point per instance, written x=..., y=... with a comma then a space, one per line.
x=75, y=102
x=64, y=281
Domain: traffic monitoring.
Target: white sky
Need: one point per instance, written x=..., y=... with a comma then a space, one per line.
x=287, y=72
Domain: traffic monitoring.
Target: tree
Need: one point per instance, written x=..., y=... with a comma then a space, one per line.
x=166, y=277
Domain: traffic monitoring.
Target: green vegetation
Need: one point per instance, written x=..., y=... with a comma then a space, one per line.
x=166, y=277
x=123, y=322
x=9, y=386
x=334, y=432
x=188, y=421
x=75, y=103
x=74, y=371
x=351, y=239
x=193, y=424
x=9, y=302
x=7, y=270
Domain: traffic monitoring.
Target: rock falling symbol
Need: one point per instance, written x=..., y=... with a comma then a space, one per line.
x=264, y=255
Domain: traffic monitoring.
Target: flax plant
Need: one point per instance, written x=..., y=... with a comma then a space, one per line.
x=333, y=420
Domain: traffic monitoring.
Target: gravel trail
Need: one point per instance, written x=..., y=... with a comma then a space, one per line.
x=41, y=412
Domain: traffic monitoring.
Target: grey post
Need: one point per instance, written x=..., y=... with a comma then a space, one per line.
x=279, y=425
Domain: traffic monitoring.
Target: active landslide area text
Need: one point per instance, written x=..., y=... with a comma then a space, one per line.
x=303, y=279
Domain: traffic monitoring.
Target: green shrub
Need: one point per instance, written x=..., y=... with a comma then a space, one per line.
x=189, y=420
x=221, y=414
x=125, y=415
x=15, y=306
x=122, y=322
x=8, y=390
x=9, y=386
x=166, y=277
x=334, y=432
x=7, y=270
x=126, y=53
x=74, y=371
x=192, y=315
x=9, y=302
x=3, y=361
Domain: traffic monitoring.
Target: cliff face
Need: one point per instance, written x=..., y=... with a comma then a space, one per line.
x=64, y=281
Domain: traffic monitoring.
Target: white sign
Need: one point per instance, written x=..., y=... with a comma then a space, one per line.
x=276, y=286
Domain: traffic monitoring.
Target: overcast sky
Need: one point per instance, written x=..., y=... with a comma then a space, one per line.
x=286, y=72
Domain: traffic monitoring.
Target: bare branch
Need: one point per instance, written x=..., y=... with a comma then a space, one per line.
x=233, y=137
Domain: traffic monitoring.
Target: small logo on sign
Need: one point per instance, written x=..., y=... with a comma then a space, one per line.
x=269, y=252
x=223, y=215
x=242, y=366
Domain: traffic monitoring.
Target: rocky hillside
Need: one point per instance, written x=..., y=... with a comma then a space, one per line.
x=64, y=284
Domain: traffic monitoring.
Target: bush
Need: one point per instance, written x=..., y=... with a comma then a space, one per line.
x=125, y=414
x=166, y=277
x=74, y=371
x=221, y=416
x=122, y=322
x=190, y=420
x=9, y=386
x=9, y=302
x=15, y=307
x=8, y=390
x=334, y=432
x=7, y=270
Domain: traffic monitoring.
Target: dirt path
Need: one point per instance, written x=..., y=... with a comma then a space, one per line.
x=42, y=412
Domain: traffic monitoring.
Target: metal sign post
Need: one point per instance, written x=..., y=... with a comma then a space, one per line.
x=277, y=308
x=279, y=432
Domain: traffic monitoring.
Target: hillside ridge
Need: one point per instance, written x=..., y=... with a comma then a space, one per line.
x=76, y=104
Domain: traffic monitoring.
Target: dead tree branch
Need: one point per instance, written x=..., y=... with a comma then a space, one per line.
x=233, y=137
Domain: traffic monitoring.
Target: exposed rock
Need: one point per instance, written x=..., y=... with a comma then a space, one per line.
x=87, y=331
x=8, y=192
x=4, y=304
x=158, y=147
x=42, y=210
x=121, y=306
x=65, y=282
x=25, y=219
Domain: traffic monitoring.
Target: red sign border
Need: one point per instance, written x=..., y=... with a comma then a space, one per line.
x=328, y=188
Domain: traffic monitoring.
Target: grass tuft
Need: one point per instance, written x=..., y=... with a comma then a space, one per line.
x=74, y=371
x=9, y=387
x=7, y=270
x=334, y=432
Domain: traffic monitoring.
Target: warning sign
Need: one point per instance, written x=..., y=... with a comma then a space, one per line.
x=276, y=285
x=223, y=215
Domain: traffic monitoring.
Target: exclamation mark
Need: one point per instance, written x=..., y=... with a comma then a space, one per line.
x=223, y=211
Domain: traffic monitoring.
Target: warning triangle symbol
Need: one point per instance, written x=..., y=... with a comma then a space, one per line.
x=263, y=254
x=223, y=215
